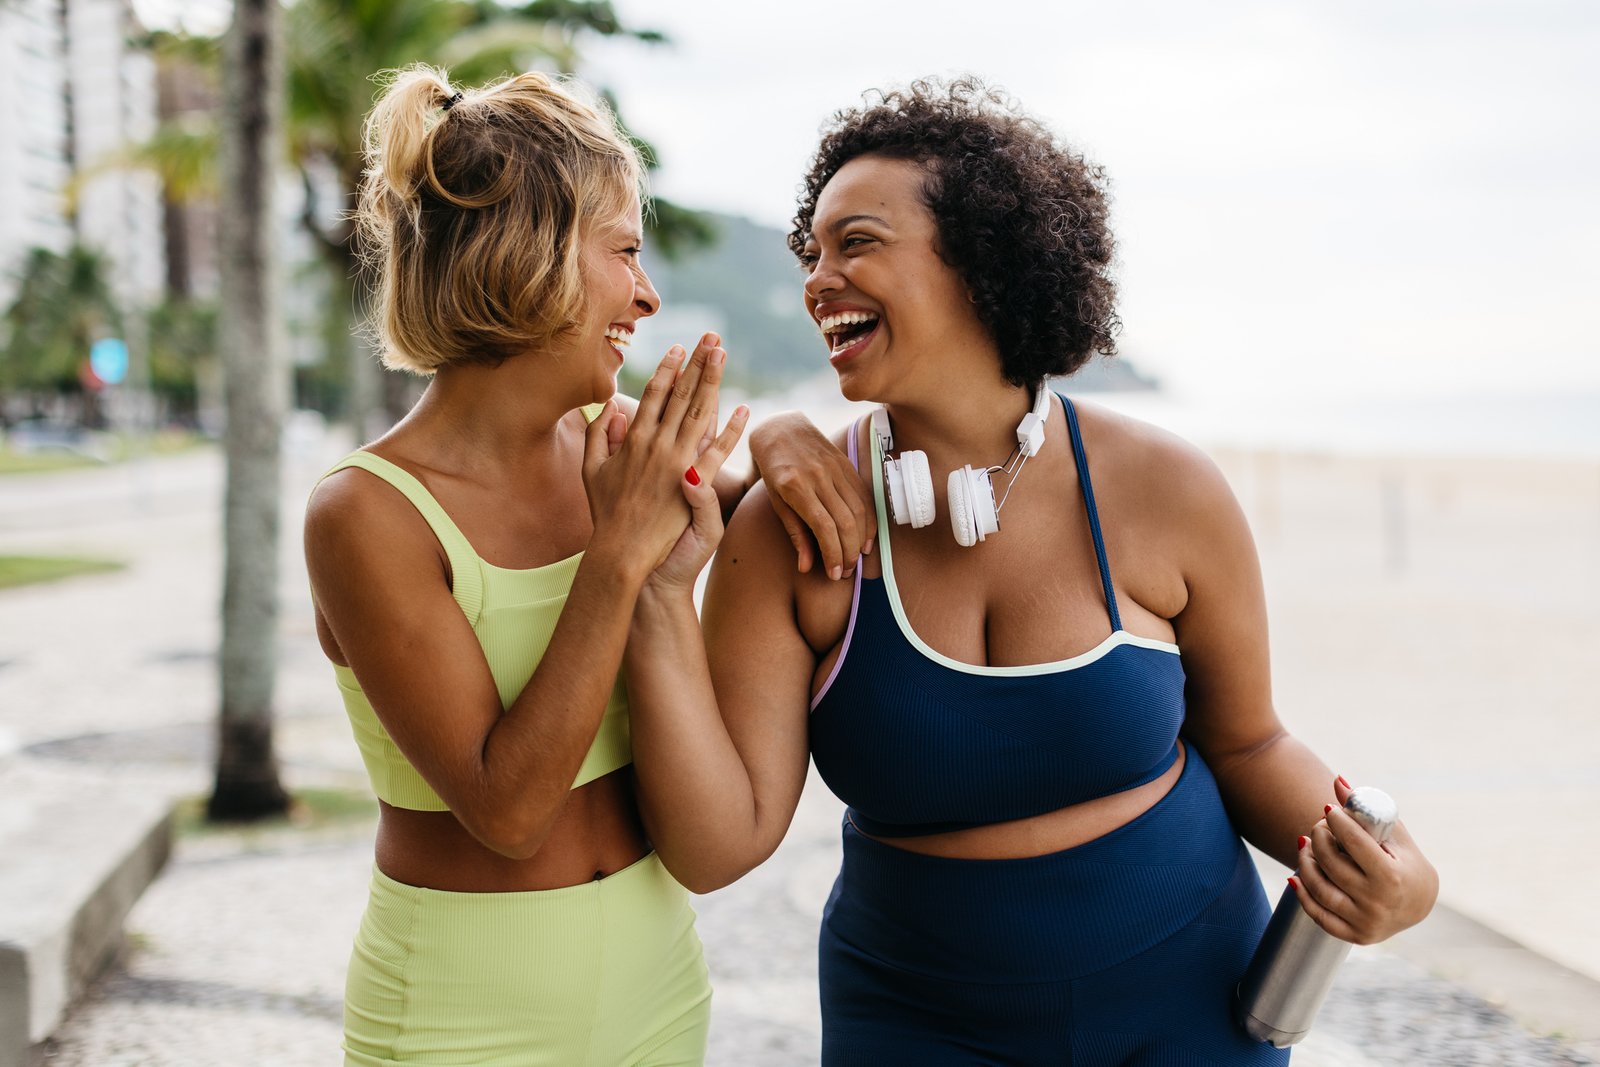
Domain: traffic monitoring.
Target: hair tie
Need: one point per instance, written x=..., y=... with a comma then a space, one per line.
x=455, y=98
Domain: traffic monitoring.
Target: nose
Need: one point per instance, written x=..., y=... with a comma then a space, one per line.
x=823, y=279
x=645, y=297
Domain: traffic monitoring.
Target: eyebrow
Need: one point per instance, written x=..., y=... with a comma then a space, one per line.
x=840, y=224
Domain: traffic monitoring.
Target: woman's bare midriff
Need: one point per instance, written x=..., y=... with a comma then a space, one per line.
x=597, y=834
x=1053, y=831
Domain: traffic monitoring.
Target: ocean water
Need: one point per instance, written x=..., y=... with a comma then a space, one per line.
x=1551, y=425
x=1526, y=425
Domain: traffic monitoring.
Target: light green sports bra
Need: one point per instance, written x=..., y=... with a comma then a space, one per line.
x=514, y=615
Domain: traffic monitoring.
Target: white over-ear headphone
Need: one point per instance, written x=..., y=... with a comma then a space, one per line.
x=974, y=515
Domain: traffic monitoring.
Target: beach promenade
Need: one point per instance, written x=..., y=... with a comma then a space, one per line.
x=1434, y=623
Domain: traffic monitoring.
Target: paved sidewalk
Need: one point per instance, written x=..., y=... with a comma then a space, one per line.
x=237, y=953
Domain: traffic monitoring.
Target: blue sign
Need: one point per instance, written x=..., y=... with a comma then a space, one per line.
x=108, y=358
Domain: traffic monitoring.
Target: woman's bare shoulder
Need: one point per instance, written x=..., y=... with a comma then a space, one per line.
x=1141, y=461
x=353, y=512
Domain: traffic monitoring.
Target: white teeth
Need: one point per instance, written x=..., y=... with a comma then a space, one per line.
x=619, y=336
x=836, y=322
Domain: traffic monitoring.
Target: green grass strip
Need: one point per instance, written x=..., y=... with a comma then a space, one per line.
x=309, y=809
x=25, y=570
x=37, y=462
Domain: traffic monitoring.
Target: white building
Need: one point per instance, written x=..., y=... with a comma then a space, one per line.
x=34, y=167
x=77, y=92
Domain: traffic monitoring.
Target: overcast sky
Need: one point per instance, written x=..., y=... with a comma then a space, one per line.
x=1309, y=197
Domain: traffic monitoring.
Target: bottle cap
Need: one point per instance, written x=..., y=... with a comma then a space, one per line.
x=1373, y=809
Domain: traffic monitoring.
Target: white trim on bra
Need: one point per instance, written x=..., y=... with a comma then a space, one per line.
x=1115, y=640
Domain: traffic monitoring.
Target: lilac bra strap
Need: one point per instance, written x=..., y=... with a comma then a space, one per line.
x=855, y=598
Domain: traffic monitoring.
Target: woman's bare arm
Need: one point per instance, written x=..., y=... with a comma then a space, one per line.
x=381, y=584
x=1275, y=788
x=720, y=768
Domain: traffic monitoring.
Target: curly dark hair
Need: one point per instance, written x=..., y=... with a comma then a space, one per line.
x=1020, y=216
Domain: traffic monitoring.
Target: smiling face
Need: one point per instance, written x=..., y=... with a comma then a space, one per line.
x=618, y=294
x=892, y=312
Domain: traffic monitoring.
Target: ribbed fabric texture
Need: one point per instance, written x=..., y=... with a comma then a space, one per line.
x=513, y=613
x=594, y=975
x=1122, y=951
x=916, y=744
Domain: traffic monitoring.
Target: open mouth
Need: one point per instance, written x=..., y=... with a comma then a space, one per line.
x=848, y=331
x=619, y=338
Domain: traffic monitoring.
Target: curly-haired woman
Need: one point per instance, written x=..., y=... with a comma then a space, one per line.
x=1051, y=725
x=475, y=573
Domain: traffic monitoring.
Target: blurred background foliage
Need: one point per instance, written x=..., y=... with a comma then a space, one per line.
x=735, y=275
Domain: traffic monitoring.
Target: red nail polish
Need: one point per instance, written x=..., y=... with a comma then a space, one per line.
x=1293, y=882
x=1304, y=840
x=1327, y=808
x=1344, y=782
x=692, y=476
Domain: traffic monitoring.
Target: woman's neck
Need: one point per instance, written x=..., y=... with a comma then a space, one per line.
x=478, y=417
x=973, y=421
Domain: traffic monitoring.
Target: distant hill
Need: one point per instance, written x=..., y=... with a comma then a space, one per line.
x=747, y=287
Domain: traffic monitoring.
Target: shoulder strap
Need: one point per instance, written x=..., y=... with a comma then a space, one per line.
x=1081, y=457
x=466, y=571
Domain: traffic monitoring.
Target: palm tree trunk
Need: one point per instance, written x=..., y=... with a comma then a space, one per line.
x=257, y=389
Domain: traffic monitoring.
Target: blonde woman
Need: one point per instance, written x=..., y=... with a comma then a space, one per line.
x=475, y=572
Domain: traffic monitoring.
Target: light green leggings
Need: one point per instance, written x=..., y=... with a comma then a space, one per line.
x=595, y=975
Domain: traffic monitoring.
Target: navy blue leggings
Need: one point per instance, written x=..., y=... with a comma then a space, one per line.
x=1122, y=951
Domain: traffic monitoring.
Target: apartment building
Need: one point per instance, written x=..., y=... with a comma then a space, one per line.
x=75, y=90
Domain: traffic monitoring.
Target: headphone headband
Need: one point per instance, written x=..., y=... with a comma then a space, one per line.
x=1030, y=431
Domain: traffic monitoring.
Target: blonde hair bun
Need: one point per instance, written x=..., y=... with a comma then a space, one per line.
x=472, y=207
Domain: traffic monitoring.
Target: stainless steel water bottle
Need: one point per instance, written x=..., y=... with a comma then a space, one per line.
x=1296, y=961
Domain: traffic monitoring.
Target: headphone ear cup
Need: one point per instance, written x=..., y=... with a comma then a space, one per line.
x=980, y=498
x=898, y=509
x=970, y=498
x=956, y=499
x=919, y=488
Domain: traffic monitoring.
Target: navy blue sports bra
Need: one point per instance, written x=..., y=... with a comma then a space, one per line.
x=918, y=743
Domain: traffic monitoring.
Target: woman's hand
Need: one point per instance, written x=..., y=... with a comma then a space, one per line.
x=682, y=567
x=1357, y=889
x=815, y=492
x=632, y=472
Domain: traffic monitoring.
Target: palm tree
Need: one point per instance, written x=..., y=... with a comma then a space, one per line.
x=332, y=49
x=256, y=386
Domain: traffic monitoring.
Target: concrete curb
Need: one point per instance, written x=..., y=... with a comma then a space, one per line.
x=1545, y=996
x=76, y=858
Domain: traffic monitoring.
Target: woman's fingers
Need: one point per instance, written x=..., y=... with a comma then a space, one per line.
x=1357, y=843
x=842, y=549
x=699, y=418
x=659, y=388
x=709, y=463
x=697, y=479
x=1337, y=886
x=799, y=535
x=827, y=514
x=816, y=493
x=686, y=386
x=616, y=431
x=597, y=439
x=1331, y=857
x=1322, y=915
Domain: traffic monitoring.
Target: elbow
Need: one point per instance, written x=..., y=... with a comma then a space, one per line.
x=700, y=875
x=702, y=882
x=513, y=838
